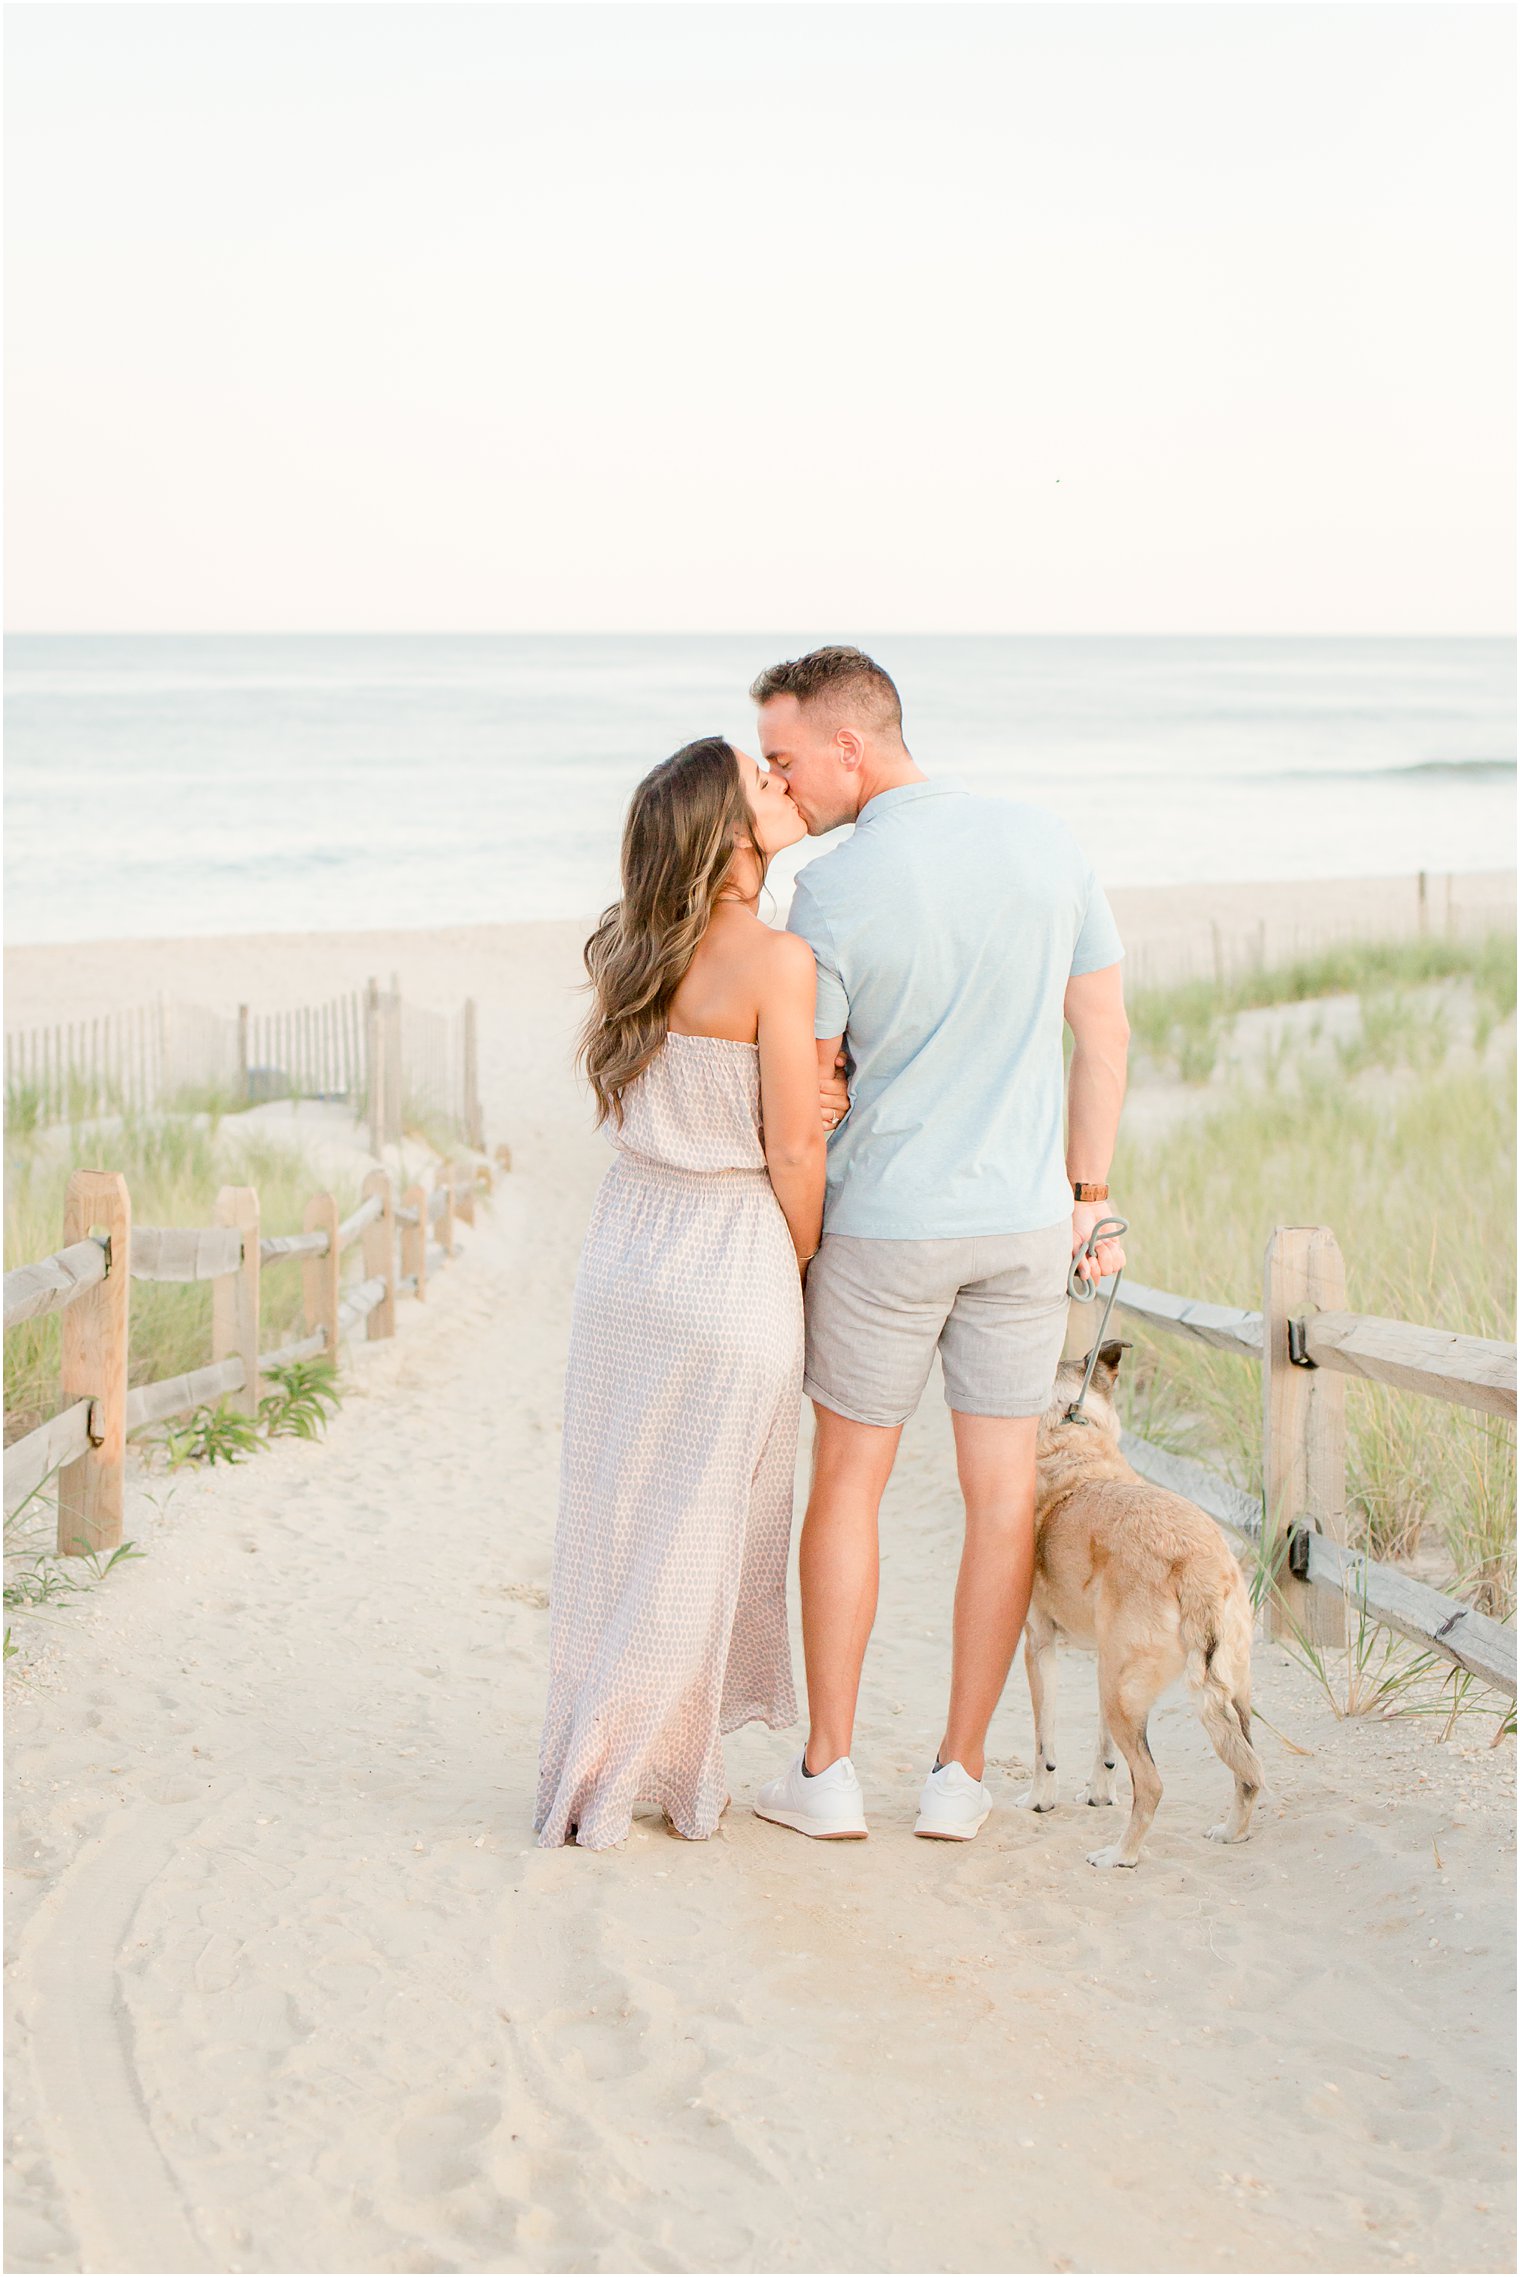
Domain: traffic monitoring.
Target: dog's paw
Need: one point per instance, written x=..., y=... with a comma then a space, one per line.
x=1109, y=1857
x=1095, y=1797
x=1221, y=1833
x=1037, y=1799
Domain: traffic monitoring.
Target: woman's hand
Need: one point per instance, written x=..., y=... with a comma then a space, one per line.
x=833, y=1092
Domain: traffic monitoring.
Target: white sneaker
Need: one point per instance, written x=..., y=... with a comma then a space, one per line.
x=953, y=1807
x=829, y=1805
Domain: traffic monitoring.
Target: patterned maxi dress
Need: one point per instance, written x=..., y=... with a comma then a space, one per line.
x=681, y=1405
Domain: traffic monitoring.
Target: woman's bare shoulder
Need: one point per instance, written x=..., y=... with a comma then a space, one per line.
x=786, y=980
x=783, y=952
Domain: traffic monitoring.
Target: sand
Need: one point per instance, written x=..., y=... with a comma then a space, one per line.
x=290, y=1987
x=516, y=970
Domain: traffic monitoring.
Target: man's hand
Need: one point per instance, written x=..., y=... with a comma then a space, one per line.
x=833, y=1092
x=1109, y=1255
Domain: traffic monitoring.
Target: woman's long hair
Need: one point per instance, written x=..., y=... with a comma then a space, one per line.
x=686, y=822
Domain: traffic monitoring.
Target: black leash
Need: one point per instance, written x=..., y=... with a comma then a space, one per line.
x=1084, y=1292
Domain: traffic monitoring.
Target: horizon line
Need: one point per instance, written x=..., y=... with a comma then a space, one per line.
x=688, y=632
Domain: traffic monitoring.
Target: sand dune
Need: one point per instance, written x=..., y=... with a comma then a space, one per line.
x=517, y=970
x=291, y=1989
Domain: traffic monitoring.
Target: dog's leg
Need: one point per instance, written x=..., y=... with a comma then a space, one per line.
x=1224, y=1707
x=1100, y=1784
x=1040, y=1664
x=1127, y=1701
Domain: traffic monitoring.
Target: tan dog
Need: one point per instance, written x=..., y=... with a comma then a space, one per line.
x=1141, y=1577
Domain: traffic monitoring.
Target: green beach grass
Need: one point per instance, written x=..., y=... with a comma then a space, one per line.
x=174, y=1164
x=1398, y=1132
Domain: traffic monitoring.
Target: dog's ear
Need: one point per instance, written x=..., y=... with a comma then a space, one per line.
x=1108, y=1362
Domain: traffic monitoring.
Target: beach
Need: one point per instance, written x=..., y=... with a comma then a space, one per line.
x=290, y=1986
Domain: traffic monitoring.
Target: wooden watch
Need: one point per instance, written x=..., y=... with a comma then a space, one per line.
x=1083, y=1190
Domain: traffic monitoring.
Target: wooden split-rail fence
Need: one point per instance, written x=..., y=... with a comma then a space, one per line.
x=402, y=1240
x=389, y=1061
x=1306, y=1346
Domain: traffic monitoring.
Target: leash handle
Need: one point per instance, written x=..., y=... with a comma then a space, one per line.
x=1079, y=1289
x=1085, y=1293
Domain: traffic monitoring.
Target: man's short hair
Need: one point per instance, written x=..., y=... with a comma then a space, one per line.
x=826, y=674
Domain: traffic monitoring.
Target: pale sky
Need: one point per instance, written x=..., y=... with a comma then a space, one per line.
x=1046, y=317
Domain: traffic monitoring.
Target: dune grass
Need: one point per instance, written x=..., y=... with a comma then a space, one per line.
x=1410, y=1158
x=174, y=1164
x=1179, y=1030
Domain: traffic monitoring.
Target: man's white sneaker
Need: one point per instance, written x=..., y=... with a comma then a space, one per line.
x=953, y=1807
x=829, y=1806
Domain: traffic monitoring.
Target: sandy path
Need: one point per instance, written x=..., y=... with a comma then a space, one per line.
x=291, y=1989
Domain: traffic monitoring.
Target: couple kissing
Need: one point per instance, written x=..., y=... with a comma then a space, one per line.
x=837, y=1149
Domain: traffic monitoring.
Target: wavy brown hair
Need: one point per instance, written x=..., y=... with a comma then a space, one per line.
x=686, y=822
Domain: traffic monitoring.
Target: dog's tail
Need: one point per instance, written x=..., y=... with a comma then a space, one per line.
x=1216, y=1629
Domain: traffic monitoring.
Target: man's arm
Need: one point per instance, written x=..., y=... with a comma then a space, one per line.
x=1094, y=1009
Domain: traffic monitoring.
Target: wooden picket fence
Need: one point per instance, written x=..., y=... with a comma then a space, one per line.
x=1306, y=1345
x=402, y=1241
x=387, y=1060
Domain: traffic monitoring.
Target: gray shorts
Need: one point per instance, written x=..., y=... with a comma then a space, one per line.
x=994, y=1304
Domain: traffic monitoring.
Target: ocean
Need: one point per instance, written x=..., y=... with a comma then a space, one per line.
x=178, y=785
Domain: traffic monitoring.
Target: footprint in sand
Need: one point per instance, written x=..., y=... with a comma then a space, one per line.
x=437, y=2145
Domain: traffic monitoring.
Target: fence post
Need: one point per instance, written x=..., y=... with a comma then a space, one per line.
x=235, y=1296
x=380, y=1253
x=395, y=1066
x=474, y=1125
x=1303, y=1424
x=1423, y=906
x=95, y=1330
x=464, y=1196
x=319, y=1275
x=414, y=1239
x=374, y=1055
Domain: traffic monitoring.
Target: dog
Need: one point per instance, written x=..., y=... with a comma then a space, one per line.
x=1141, y=1577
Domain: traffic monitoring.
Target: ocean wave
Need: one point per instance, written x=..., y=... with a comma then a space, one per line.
x=1476, y=770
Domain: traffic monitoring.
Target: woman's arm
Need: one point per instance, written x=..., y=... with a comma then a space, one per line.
x=795, y=1149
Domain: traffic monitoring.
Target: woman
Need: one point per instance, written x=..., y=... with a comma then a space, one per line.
x=685, y=1371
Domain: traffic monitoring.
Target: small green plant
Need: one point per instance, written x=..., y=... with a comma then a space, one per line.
x=306, y=1393
x=219, y=1434
x=36, y=1575
x=1379, y=1672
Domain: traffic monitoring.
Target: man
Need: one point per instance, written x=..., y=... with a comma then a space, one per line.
x=952, y=934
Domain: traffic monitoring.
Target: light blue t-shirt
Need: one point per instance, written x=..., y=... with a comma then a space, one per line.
x=945, y=929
